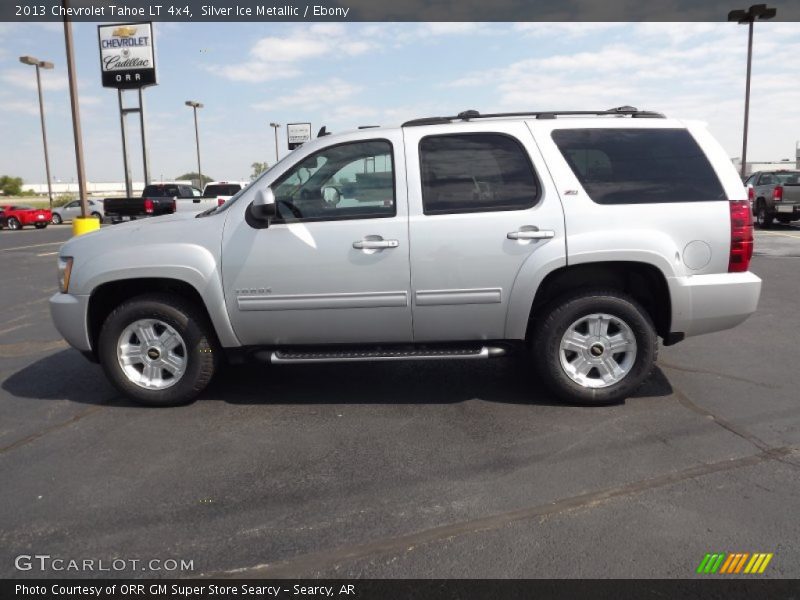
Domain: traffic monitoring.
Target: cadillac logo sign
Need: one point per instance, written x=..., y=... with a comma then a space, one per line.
x=127, y=55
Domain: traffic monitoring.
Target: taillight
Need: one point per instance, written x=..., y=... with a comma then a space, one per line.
x=148, y=206
x=174, y=205
x=751, y=193
x=741, y=236
x=220, y=201
x=777, y=193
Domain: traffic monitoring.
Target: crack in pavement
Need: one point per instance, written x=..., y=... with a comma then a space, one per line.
x=303, y=565
x=771, y=386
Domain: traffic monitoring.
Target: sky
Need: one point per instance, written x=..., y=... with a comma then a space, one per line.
x=345, y=75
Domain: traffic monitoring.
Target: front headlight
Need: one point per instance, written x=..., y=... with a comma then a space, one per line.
x=64, y=271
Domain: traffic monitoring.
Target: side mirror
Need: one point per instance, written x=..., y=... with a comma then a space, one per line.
x=264, y=207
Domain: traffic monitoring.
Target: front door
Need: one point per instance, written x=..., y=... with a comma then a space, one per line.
x=333, y=268
x=485, y=223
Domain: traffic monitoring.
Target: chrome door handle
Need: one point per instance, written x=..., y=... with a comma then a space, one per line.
x=375, y=244
x=531, y=234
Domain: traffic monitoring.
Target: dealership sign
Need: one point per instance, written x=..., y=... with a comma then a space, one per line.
x=298, y=134
x=127, y=55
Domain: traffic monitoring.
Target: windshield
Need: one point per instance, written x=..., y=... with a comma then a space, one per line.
x=222, y=189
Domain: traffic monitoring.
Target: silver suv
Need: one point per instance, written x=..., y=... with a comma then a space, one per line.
x=581, y=237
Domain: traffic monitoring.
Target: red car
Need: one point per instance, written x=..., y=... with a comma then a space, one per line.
x=16, y=217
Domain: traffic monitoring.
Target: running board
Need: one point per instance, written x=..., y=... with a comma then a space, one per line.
x=293, y=357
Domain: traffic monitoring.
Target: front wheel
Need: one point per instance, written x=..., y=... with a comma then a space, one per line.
x=595, y=347
x=158, y=350
x=56, y=219
x=14, y=224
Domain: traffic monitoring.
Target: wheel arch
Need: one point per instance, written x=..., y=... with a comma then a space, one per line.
x=643, y=281
x=110, y=294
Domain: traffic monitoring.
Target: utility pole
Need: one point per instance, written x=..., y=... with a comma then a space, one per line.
x=195, y=105
x=275, y=127
x=42, y=64
x=756, y=12
x=76, y=115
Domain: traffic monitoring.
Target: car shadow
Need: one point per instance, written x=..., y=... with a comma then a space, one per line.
x=511, y=380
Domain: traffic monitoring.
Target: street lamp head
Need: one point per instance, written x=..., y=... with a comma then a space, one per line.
x=757, y=12
x=46, y=65
x=29, y=60
x=194, y=104
x=275, y=125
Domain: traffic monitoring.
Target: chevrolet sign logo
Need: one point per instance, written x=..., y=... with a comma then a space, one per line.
x=124, y=32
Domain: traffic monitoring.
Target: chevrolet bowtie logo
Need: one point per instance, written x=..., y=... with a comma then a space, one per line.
x=126, y=31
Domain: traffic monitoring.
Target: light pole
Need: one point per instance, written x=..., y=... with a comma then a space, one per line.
x=275, y=127
x=195, y=105
x=41, y=64
x=758, y=12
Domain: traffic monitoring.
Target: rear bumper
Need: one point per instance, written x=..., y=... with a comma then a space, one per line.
x=708, y=303
x=782, y=209
x=69, y=316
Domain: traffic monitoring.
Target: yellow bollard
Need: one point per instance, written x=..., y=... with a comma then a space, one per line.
x=81, y=225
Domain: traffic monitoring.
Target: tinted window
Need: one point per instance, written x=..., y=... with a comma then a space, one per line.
x=161, y=191
x=475, y=173
x=634, y=166
x=346, y=181
x=223, y=189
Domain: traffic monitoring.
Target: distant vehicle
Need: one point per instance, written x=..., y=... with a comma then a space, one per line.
x=16, y=217
x=156, y=199
x=222, y=191
x=73, y=209
x=774, y=195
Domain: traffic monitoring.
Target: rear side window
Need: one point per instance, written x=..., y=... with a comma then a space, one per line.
x=161, y=191
x=475, y=172
x=223, y=189
x=639, y=166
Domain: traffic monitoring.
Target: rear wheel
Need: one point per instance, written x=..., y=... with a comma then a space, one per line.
x=97, y=215
x=158, y=350
x=56, y=219
x=14, y=224
x=763, y=218
x=595, y=347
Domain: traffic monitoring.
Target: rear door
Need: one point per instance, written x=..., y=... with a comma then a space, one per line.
x=482, y=210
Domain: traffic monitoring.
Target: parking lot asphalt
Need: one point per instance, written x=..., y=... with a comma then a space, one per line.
x=456, y=469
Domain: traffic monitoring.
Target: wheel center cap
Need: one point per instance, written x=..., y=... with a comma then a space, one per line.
x=597, y=349
x=153, y=354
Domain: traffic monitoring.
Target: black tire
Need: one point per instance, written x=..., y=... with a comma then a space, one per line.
x=40, y=225
x=764, y=218
x=56, y=219
x=188, y=321
x=97, y=215
x=14, y=224
x=557, y=318
x=785, y=220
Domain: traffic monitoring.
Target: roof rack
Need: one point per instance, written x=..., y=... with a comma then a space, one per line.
x=468, y=115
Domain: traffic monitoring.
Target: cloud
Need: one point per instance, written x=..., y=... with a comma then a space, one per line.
x=328, y=94
x=24, y=77
x=28, y=108
x=278, y=57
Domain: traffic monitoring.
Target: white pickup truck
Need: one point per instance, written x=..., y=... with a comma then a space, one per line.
x=579, y=237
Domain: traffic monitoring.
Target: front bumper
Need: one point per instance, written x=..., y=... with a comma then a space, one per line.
x=69, y=316
x=708, y=303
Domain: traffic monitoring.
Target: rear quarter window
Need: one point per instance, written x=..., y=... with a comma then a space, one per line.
x=639, y=166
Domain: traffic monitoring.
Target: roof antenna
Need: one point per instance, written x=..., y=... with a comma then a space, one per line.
x=322, y=132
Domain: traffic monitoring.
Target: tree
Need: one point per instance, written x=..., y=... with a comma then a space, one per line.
x=10, y=186
x=194, y=177
x=258, y=169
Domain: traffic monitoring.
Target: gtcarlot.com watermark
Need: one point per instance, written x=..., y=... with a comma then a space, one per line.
x=45, y=563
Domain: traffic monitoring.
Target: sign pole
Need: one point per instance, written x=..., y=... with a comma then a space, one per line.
x=128, y=186
x=145, y=161
x=76, y=113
